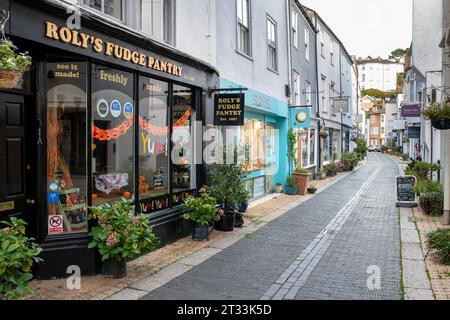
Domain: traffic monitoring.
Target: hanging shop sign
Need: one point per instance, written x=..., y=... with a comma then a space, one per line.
x=301, y=117
x=229, y=109
x=406, y=196
x=101, y=46
x=411, y=111
x=414, y=132
x=340, y=105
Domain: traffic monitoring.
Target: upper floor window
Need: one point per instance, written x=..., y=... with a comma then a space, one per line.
x=331, y=53
x=243, y=19
x=295, y=28
x=308, y=93
x=322, y=45
x=307, y=44
x=272, y=44
x=157, y=19
x=296, y=89
x=114, y=8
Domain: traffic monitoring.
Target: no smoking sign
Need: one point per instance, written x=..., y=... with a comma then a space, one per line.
x=55, y=224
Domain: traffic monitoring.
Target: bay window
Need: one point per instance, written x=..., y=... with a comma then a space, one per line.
x=307, y=139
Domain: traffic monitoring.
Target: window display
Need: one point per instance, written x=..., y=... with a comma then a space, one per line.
x=253, y=141
x=66, y=147
x=153, y=140
x=183, y=143
x=112, y=134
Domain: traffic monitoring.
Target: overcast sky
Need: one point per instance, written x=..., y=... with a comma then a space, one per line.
x=367, y=27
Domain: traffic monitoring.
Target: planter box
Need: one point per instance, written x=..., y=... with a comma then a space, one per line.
x=302, y=182
x=292, y=191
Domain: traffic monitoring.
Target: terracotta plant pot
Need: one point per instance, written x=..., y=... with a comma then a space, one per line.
x=302, y=182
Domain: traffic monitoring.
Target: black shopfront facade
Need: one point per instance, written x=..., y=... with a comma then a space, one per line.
x=98, y=118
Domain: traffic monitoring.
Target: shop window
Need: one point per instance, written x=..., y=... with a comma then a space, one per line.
x=112, y=135
x=183, y=144
x=112, y=8
x=153, y=145
x=312, y=147
x=66, y=147
x=253, y=141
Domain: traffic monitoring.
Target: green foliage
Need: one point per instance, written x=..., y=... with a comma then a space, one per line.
x=350, y=160
x=378, y=93
x=361, y=149
x=432, y=202
x=120, y=233
x=425, y=186
x=439, y=240
x=17, y=255
x=397, y=53
x=291, y=181
x=301, y=171
x=228, y=185
x=421, y=170
x=437, y=111
x=292, y=141
x=12, y=61
x=202, y=209
x=331, y=168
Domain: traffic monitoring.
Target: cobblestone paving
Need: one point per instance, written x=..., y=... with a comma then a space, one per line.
x=359, y=212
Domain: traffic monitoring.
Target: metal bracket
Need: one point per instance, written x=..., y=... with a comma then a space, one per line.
x=211, y=91
x=4, y=17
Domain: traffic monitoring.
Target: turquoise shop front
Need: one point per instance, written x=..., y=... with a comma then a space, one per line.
x=264, y=138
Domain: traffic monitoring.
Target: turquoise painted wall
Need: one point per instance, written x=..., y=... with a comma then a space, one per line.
x=262, y=107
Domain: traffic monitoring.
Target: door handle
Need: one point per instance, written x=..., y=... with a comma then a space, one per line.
x=30, y=202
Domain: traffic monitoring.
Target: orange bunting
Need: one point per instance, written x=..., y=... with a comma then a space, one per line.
x=107, y=135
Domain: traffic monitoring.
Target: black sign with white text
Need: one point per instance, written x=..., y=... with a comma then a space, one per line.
x=229, y=109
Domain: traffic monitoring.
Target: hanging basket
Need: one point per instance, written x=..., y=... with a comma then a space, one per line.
x=324, y=134
x=9, y=79
x=440, y=124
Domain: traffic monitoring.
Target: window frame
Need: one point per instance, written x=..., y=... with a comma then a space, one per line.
x=101, y=12
x=294, y=28
x=168, y=23
x=307, y=46
x=296, y=84
x=249, y=30
x=270, y=20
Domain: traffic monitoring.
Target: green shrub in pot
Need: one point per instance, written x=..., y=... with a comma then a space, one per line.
x=18, y=253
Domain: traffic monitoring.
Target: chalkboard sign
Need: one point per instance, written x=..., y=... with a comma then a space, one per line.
x=405, y=191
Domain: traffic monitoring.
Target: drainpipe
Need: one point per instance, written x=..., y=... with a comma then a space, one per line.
x=446, y=135
x=320, y=149
x=289, y=59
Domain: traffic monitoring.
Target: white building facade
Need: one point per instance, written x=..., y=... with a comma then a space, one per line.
x=377, y=73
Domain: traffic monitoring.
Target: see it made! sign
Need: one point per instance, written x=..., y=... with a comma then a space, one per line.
x=229, y=109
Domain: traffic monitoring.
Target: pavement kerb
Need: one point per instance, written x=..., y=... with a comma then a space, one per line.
x=416, y=282
x=141, y=288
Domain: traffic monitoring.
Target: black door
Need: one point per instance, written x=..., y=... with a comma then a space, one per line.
x=15, y=199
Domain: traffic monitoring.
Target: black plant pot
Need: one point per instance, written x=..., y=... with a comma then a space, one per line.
x=312, y=190
x=441, y=124
x=114, y=269
x=239, y=221
x=200, y=232
x=226, y=223
x=244, y=206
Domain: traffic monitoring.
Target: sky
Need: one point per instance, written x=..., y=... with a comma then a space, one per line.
x=367, y=27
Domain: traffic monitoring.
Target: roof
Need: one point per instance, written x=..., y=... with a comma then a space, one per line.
x=350, y=58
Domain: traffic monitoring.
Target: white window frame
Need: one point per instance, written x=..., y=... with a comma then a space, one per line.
x=307, y=49
x=241, y=23
x=308, y=92
x=297, y=96
x=322, y=43
x=308, y=148
x=168, y=22
x=295, y=35
x=272, y=43
x=85, y=4
x=332, y=52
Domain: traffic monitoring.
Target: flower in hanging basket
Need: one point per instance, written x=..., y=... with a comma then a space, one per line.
x=12, y=64
x=439, y=114
x=324, y=134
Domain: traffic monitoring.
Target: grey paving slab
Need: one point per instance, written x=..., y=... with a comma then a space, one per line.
x=410, y=236
x=412, y=251
x=128, y=294
x=414, y=274
x=249, y=267
x=199, y=256
x=418, y=294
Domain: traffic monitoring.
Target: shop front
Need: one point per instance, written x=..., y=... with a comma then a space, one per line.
x=99, y=118
x=263, y=139
x=331, y=145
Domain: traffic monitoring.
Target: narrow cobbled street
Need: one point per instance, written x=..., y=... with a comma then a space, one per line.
x=330, y=247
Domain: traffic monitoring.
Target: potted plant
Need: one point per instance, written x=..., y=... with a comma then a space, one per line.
x=18, y=253
x=350, y=160
x=279, y=188
x=291, y=186
x=331, y=169
x=202, y=211
x=228, y=188
x=12, y=64
x=312, y=189
x=120, y=235
x=439, y=115
x=302, y=177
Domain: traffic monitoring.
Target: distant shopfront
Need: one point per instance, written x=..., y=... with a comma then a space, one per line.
x=98, y=118
x=263, y=141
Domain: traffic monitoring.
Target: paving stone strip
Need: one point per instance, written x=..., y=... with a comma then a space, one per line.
x=290, y=282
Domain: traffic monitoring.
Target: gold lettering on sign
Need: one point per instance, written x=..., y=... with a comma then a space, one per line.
x=98, y=45
x=6, y=206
